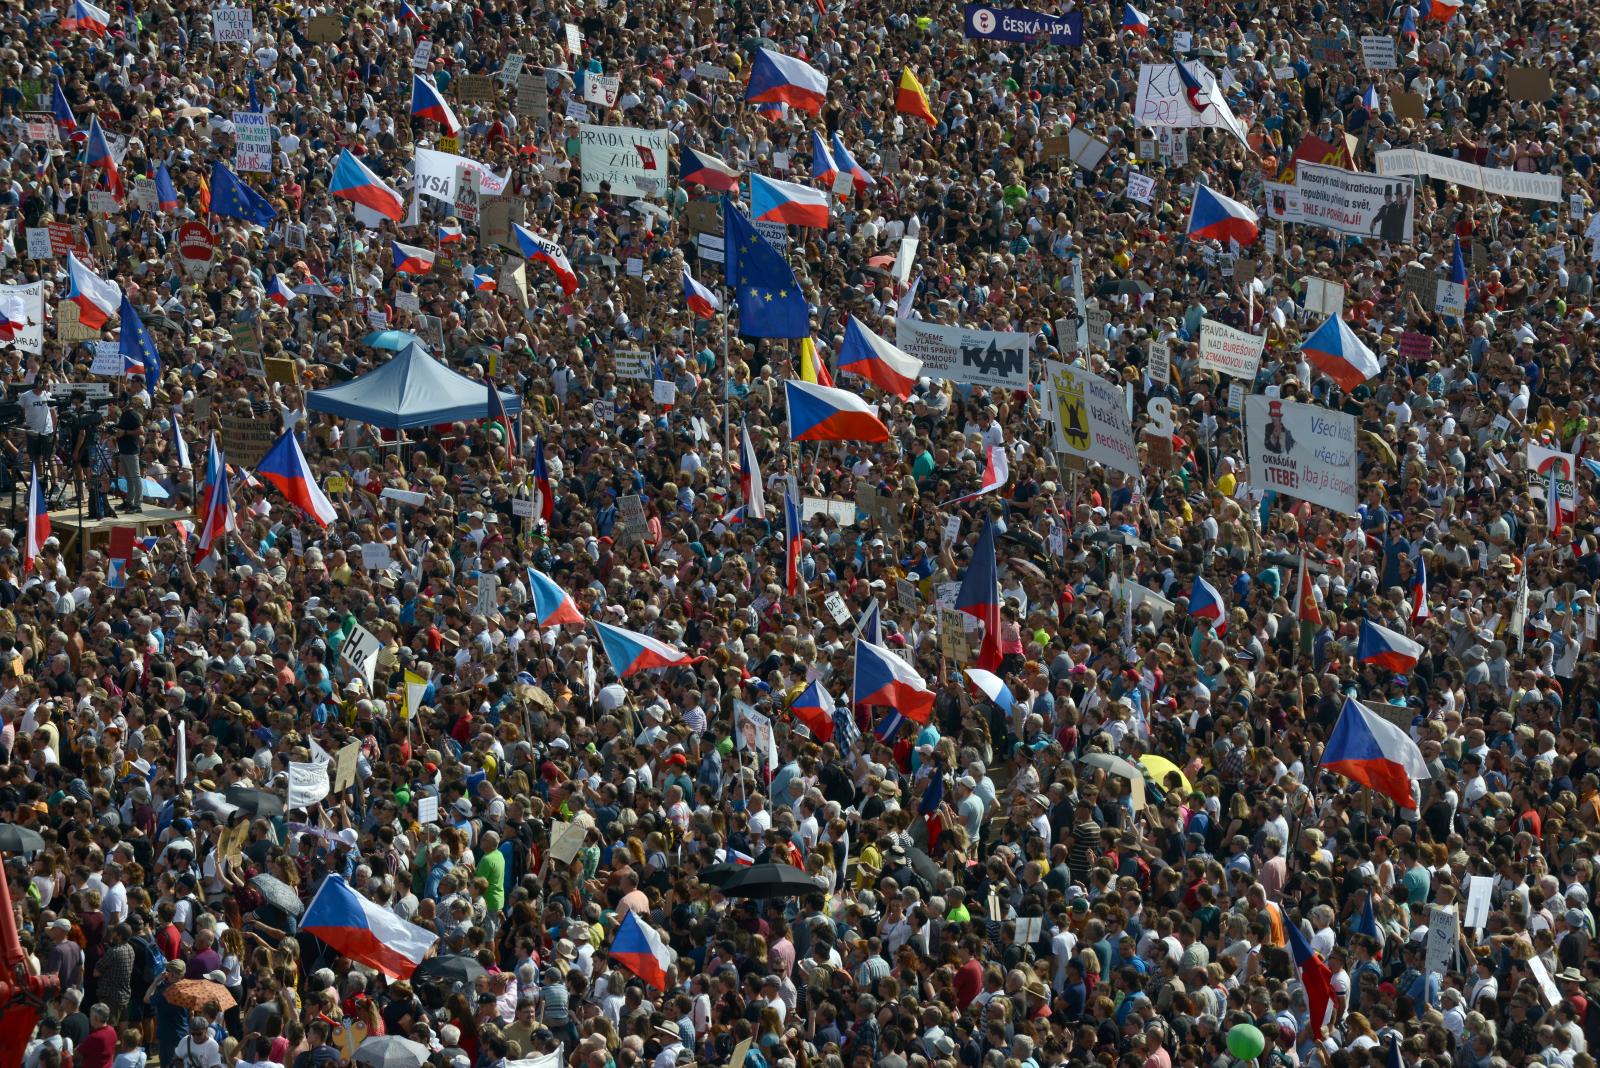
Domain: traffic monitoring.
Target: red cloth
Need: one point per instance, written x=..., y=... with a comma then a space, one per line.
x=969, y=983
x=99, y=1049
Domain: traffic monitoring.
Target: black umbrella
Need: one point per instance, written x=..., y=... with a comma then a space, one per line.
x=277, y=893
x=451, y=968
x=255, y=802
x=718, y=874
x=770, y=880
x=14, y=839
x=1116, y=287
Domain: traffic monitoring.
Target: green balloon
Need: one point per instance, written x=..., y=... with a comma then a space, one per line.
x=1246, y=1042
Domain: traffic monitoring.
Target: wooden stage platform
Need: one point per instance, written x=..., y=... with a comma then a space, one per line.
x=79, y=537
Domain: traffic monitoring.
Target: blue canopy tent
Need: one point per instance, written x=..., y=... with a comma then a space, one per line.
x=411, y=390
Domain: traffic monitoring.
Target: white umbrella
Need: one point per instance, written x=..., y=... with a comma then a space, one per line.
x=392, y=1051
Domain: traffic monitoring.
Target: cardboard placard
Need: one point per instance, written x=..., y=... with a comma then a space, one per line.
x=1415, y=346
x=1409, y=106
x=249, y=437
x=68, y=328
x=1327, y=49
x=1529, y=83
x=280, y=369
x=325, y=29
x=344, y=767
x=1057, y=147
x=1378, y=52
x=474, y=87
x=702, y=217
x=1422, y=283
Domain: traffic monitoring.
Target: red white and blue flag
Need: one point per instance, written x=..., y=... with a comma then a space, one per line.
x=61, y=110
x=779, y=79
x=702, y=301
x=1206, y=603
x=882, y=678
x=790, y=203
x=823, y=169
x=409, y=259
x=755, y=497
x=847, y=164
x=996, y=471
x=1316, y=978
x=631, y=652
x=1334, y=350
x=86, y=18
x=552, y=605
x=979, y=597
x=1203, y=98
x=95, y=297
x=1135, y=21
x=1214, y=216
x=285, y=468
x=1370, y=750
x=364, y=932
x=541, y=482
x=1386, y=648
x=814, y=709
x=355, y=182
x=542, y=250
x=279, y=293
x=450, y=234
x=824, y=413
x=498, y=414
x=877, y=360
x=699, y=167
x=98, y=156
x=642, y=951
x=1419, y=590
x=219, y=519
x=38, y=521
x=428, y=103
x=792, y=537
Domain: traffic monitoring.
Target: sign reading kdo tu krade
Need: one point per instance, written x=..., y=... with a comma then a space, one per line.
x=1020, y=24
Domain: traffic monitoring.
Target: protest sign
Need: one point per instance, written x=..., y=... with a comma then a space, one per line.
x=308, y=784
x=1089, y=416
x=30, y=336
x=1141, y=187
x=976, y=357
x=631, y=162
x=252, y=142
x=1378, y=52
x=1505, y=183
x=1022, y=25
x=324, y=29
x=360, y=652
x=1228, y=351
x=1349, y=202
x=231, y=25
x=1303, y=451
x=1160, y=100
x=472, y=88
x=1541, y=461
x=249, y=437
x=1529, y=84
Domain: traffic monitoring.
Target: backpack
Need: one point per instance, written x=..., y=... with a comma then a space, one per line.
x=148, y=960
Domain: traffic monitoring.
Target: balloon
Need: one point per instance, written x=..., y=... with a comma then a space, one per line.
x=1246, y=1042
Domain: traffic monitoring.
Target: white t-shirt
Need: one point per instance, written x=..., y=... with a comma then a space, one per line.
x=37, y=415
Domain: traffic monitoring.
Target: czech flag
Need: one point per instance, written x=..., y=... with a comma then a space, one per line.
x=1552, y=498
x=773, y=112
x=702, y=168
x=370, y=934
x=1213, y=215
x=911, y=99
x=786, y=202
x=483, y=280
x=640, y=949
x=285, y=467
x=99, y=157
x=814, y=709
x=450, y=234
x=822, y=166
x=1458, y=265
x=352, y=181
x=884, y=365
x=86, y=18
x=409, y=259
x=791, y=545
x=755, y=497
x=1443, y=10
x=409, y=13
x=180, y=448
x=1334, y=350
x=542, y=250
x=631, y=652
x=701, y=300
x=95, y=297
x=13, y=316
x=279, y=293
x=219, y=518
x=1315, y=976
x=541, y=482
x=996, y=470
x=1387, y=648
x=38, y=521
x=812, y=367
x=166, y=192
x=61, y=110
x=1419, y=590
x=1372, y=751
x=847, y=163
x=1135, y=21
x=882, y=678
x=216, y=471
x=979, y=597
x=779, y=79
x=822, y=413
x=427, y=103
x=1206, y=603
x=552, y=605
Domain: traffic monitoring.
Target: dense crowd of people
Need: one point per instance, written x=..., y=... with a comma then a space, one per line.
x=1133, y=853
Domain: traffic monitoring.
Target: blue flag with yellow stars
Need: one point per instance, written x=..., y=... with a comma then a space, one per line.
x=770, y=301
x=138, y=346
x=232, y=199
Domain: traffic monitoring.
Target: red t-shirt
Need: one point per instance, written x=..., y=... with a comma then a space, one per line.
x=969, y=983
x=99, y=1049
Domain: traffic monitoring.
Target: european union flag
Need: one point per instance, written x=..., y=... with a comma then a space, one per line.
x=137, y=345
x=770, y=301
x=232, y=199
